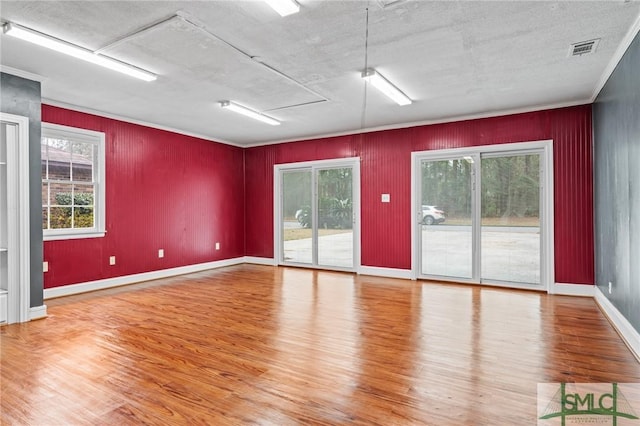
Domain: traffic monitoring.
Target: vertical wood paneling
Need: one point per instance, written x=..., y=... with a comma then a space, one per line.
x=573, y=170
x=385, y=168
x=180, y=193
x=164, y=190
x=259, y=200
x=617, y=186
x=386, y=227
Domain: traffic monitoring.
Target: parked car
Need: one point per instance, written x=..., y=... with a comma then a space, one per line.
x=432, y=215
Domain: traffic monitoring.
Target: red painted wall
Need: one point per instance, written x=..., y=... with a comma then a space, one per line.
x=164, y=190
x=182, y=194
x=386, y=167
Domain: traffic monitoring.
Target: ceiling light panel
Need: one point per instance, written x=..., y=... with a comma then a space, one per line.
x=247, y=112
x=284, y=7
x=389, y=3
x=78, y=52
x=386, y=87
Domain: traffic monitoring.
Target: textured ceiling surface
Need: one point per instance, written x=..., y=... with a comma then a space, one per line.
x=454, y=59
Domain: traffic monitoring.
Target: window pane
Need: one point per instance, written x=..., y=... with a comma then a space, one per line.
x=335, y=217
x=82, y=159
x=58, y=153
x=511, y=219
x=83, y=217
x=60, y=194
x=83, y=195
x=60, y=217
x=72, y=175
x=45, y=218
x=446, y=232
x=43, y=160
x=45, y=194
x=297, y=216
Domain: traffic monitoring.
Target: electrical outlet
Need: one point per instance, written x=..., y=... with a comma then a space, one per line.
x=217, y=246
x=609, y=287
x=45, y=266
x=161, y=253
x=112, y=260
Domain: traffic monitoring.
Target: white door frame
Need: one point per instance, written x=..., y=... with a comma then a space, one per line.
x=354, y=163
x=547, y=256
x=19, y=264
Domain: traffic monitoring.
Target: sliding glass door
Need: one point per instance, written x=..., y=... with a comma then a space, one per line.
x=479, y=215
x=316, y=210
x=297, y=216
x=510, y=236
x=334, y=199
x=445, y=218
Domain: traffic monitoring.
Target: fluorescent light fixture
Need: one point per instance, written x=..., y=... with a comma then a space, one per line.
x=62, y=46
x=284, y=7
x=232, y=106
x=383, y=85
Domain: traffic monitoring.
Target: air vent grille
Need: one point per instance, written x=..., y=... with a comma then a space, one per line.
x=584, y=47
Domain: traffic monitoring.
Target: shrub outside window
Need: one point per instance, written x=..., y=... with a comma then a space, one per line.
x=72, y=182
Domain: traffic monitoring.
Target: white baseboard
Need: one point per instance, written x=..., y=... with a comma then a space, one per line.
x=628, y=333
x=260, y=260
x=385, y=272
x=68, y=290
x=37, y=312
x=585, y=290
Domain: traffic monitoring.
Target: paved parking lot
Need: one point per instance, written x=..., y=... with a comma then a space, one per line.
x=509, y=254
x=333, y=250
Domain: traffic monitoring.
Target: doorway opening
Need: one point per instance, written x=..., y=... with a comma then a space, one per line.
x=15, y=265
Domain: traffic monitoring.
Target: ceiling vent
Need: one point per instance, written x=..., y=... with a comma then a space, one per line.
x=584, y=47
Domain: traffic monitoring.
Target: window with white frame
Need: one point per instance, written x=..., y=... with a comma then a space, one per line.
x=72, y=182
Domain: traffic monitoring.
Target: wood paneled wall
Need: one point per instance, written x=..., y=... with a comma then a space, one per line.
x=164, y=191
x=183, y=194
x=386, y=167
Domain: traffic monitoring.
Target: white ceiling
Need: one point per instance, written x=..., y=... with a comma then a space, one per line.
x=455, y=59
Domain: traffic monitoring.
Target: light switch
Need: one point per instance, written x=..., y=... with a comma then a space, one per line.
x=112, y=260
x=161, y=253
x=45, y=266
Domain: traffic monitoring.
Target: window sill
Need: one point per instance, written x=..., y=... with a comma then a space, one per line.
x=74, y=236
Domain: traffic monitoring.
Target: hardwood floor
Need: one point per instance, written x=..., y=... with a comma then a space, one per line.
x=285, y=346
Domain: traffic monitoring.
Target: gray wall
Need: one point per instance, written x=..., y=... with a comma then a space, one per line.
x=616, y=121
x=20, y=96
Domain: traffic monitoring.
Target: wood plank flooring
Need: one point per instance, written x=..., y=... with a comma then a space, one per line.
x=255, y=344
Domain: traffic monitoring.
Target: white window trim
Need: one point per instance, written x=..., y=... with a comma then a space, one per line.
x=82, y=135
